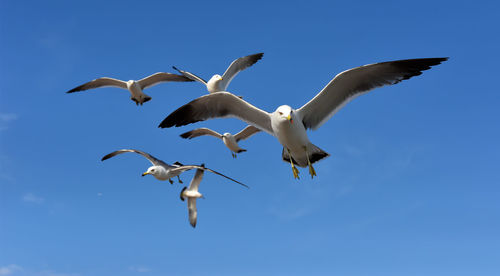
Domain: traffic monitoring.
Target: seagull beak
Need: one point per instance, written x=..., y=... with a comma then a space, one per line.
x=289, y=118
x=143, y=174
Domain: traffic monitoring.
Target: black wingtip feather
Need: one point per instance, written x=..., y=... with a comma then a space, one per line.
x=186, y=135
x=180, y=117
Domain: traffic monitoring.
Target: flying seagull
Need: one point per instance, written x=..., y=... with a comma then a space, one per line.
x=135, y=87
x=163, y=171
x=231, y=141
x=219, y=83
x=192, y=194
x=289, y=125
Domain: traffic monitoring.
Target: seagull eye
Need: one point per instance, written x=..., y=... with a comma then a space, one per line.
x=281, y=113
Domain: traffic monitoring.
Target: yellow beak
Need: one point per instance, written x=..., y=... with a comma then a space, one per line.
x=289, y=117
x=143, y=174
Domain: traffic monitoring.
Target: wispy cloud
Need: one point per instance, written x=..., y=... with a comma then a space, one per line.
x=140, y=269
x=32, y=198
x=11, y=269
x=5, y=119
x=8, y=117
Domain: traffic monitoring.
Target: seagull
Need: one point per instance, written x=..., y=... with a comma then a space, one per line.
x=163, y=171
x=289, y=125
x=192, y=194
x=219, y=83
x=231, y=141
x=135, y=87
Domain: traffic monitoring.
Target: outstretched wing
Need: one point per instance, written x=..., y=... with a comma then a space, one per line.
x=200, y=132
x=161, y=77
x=195, y=182
x=191, y=76
x=354, y=82
x=238, y=65
x=184, y=168
x=100, y=82
x=148, y=156
x=245, y=133
x=193, y=213
x=216, y=105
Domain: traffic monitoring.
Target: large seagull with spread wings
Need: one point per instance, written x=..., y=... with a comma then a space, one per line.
x=289, y=125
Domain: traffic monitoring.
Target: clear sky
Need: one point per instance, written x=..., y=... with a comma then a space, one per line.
x=412, y=185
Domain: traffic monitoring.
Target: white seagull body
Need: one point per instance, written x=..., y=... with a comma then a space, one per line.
x=192, y=194
x=134, y=87
x=163, y=171
x=231, y=141
x=289, y=125
x=220, y=83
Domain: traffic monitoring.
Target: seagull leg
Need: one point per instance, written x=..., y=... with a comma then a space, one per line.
x=170, y=180
x=312, y=172
x=180, y=181
x=294, y=169
x=233, y=154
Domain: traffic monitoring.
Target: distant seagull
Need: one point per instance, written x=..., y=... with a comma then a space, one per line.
x=163, y=171
x=231, y=141
x=219, y=83
x=289, y=125
x=192, y=194
x=135, y=87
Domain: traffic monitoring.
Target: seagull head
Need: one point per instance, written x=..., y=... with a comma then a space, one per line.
x=285, y=112
x=156, y=171
x=130, y=83
x=215, y=79
x=213, y=84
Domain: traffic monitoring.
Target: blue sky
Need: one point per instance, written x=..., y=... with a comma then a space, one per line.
x=411, y=186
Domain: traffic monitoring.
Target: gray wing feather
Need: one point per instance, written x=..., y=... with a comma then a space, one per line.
x=217, y=105
x=193, y=213
x=238, y=65
x=100, y=82
x=200, y=132
x=191, y=76
x=349, y=84
x=245, y=133
x=195, y=182
x=161, y=77
x=152, y=159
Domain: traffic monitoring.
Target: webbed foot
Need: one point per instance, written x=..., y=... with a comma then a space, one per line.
x=295, y=172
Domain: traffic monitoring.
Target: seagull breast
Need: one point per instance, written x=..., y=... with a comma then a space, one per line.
x=289, y=129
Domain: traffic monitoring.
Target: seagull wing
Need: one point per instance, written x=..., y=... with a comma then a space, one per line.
x=193, y=213
x=191, y=76
x=160, y=77
x=354, y=82
x=200, y=132
x=238, y=65
x=195, y=182
x=245, y=133
x=148, y=156
x=100, y=82
x=184, y=168
x=215, y=105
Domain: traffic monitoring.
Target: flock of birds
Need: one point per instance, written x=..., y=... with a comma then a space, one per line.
x=287, y=124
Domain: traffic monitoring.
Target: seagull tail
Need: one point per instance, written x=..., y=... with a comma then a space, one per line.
x=314, y=153
x=241, y=150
